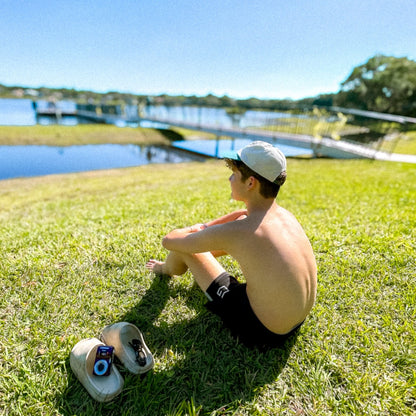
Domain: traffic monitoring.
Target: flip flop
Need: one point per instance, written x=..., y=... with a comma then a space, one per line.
x=129, y=346
x=82, y=360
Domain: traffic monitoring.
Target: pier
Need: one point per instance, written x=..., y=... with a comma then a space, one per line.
x=107, y=114
x=321, y=145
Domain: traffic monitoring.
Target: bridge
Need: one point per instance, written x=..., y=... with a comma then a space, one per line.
x=320, y=145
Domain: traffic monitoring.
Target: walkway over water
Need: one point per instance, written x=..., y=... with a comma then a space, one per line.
x=320, y=146
x=324, y=147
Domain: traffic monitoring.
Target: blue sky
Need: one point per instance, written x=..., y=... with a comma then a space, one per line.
x=242, y=48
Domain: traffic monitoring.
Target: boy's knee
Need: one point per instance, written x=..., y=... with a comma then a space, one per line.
x=192, y=257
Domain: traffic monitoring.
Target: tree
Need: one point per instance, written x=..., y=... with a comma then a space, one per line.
x=384, y=84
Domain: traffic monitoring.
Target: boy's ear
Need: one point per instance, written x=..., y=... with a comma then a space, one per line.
x=251, y=181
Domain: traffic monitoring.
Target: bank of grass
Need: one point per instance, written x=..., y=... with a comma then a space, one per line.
x=72, y=261
x=406, y=144
x=59, y=135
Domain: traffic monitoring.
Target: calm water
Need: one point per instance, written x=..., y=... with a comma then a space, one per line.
x=21, y=112
x=22, y=161
x=215, y=116
x=25, y=161
x=16, y=112
x=220, y=148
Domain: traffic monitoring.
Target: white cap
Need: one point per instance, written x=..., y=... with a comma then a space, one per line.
x=263, y=158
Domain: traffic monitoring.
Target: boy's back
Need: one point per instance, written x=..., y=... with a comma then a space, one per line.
x=278, y=264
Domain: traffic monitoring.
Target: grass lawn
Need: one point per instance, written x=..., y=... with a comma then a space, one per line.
x=72, y=261
x=59, y=135
x=406, y=144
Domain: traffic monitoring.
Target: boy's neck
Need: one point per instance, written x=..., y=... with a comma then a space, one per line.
x=259, y=205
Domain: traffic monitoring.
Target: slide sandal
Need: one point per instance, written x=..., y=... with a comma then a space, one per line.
x=82, y=361
x=129, y=346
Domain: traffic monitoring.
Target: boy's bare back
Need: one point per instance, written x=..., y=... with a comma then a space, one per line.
x=278, y=264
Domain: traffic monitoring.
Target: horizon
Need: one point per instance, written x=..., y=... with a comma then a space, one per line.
x=265, y=50
x=28, y=87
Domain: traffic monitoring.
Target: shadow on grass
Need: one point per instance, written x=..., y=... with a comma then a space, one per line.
x=197, y=361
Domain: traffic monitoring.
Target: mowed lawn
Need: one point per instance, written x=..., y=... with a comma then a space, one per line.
x=73, y=249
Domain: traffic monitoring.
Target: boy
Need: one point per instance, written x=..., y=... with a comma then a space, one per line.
x=267, y=241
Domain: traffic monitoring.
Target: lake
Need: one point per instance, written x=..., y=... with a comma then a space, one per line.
x=20, y=112
x=25, y=161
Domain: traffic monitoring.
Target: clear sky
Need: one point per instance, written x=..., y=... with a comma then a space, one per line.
x=242, y=48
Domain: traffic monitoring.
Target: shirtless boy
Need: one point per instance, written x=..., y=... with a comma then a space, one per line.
x=267, y=241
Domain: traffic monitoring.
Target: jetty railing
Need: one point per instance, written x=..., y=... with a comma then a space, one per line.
x=328, y=131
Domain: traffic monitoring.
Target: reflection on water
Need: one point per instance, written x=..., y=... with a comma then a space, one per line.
x=212, y=116
x=222, y=147
x=22, y=112
x=22, y=161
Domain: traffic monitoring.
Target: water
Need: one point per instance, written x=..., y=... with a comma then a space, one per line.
x=21, y=112
x=214, y=116
x=25, y=161
x=222, y=148
x=16, y=112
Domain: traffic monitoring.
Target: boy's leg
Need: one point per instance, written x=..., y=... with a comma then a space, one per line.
x=203, y=266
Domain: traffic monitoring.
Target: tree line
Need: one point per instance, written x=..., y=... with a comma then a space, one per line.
x=385, y=84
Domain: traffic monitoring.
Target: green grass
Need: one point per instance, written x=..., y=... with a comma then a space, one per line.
x=73, y=249
x=311, y=126
x=59, y=135
x=405, y=143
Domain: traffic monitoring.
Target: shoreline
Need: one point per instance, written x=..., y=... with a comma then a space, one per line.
x=59, y=135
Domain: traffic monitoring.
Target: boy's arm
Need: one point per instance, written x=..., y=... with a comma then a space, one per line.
x=215, y=237
x=239, y=214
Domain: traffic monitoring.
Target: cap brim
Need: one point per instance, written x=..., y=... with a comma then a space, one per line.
x=230, y=154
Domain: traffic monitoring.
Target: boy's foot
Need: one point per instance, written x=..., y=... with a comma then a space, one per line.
x=155, y=266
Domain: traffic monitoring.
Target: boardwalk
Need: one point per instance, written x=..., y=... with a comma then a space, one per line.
x=321, y=147
x=324, y=147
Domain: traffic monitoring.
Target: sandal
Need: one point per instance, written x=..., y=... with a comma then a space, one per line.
x=129, y=346
x=82, y=361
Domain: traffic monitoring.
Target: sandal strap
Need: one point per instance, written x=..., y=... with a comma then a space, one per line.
x=137, y=346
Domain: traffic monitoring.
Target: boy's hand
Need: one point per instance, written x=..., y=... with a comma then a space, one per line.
x=197, y=227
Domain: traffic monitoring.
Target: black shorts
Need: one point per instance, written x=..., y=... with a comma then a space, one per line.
x=228, y=299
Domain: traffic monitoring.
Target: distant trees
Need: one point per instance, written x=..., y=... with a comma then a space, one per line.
x=385, y=84
x=225, y=101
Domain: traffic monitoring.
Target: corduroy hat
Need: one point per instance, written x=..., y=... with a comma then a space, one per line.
x=263, y=158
